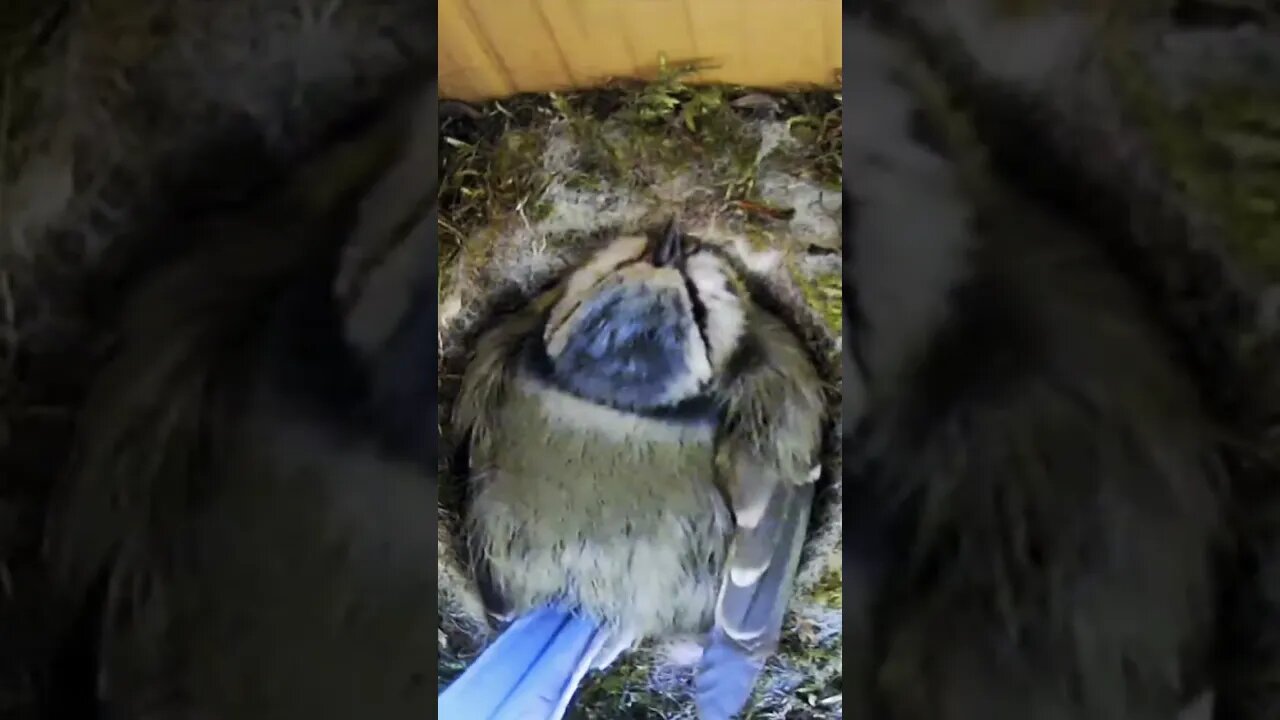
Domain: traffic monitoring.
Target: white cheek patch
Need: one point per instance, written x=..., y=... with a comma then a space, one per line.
x=726, y=319
x=604, y=262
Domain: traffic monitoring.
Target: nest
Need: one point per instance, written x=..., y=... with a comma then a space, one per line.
x=532, y=185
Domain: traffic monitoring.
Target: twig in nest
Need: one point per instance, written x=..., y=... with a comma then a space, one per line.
x=760, y=210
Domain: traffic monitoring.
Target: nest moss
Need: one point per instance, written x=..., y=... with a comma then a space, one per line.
x=666, y=142
x=1221, y=148
x=531, y=183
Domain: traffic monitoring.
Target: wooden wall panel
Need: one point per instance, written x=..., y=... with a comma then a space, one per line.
x=495, y=48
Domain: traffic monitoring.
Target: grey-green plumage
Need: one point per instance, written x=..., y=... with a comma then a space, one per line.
x=560, y=505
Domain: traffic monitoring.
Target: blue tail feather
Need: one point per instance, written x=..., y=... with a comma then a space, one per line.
x=725, y=679
x=530, y=672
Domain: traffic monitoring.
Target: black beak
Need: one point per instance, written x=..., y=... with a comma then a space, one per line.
x=669, y=246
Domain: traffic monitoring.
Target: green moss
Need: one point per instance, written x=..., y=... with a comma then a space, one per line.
x=473, y=253
x=758, y=239
x=817, y=153
x=634, y=135
x=489, y=168
x=631, y=137
x=825, y=294
x=624, y=692
x=829, y=591
x=516, y=154
x=1222, y=151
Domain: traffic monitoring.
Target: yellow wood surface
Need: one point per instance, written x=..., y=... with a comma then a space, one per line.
x=495, y=48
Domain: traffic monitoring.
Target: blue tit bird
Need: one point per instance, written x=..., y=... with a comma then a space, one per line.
x=643, y=445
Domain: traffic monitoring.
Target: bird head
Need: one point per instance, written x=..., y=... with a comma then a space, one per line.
x=646, y=322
